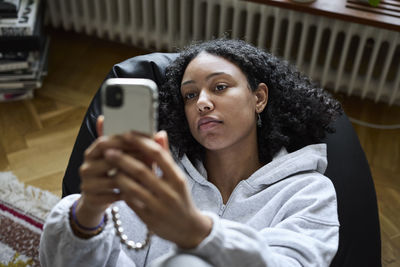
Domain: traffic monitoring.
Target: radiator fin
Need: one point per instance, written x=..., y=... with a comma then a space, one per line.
x=342, y=56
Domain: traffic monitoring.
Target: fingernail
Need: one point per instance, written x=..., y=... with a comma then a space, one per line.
x=112, y=152
x=103, y=138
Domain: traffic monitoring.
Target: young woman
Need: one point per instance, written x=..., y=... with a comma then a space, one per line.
x=243, y=184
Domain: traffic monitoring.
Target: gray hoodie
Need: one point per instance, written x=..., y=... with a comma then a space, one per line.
x=284, y=214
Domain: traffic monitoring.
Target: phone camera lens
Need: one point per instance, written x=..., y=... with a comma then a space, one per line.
x=114, y=96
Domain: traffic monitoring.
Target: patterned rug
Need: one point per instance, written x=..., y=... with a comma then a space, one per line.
x=23, y=210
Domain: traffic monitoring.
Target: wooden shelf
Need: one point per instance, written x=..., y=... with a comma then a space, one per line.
x=386, y=15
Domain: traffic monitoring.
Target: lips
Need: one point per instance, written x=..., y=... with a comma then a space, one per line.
x=207, y=122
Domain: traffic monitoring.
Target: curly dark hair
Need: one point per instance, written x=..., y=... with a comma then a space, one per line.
x=298, y=112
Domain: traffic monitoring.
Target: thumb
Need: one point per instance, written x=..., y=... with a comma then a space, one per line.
x=99, y=125
x=161, y=138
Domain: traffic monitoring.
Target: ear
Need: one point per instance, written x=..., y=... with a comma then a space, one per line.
x=261, y=95
x=99, y=125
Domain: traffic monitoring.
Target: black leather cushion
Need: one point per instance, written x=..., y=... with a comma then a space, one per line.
x=151, y=66
x=359, y=234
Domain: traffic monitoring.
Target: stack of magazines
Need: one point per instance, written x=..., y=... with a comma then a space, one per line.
x=23, y=48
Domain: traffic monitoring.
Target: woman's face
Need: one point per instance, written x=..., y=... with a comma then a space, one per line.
x=219, y=105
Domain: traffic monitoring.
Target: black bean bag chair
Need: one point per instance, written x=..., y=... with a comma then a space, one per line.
x=359, y=234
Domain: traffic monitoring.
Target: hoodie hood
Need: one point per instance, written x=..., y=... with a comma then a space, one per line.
x=312, y=158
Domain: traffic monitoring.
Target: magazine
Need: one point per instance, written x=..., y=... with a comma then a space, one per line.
x=9, y=8
x=26, y=79
x=4, y=86
x=33, y=67
x=8, y=66
x=24, y=24
x=17, y=55
x=18, y=94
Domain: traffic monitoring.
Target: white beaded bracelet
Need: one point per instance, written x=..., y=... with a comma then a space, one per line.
x=130, y=244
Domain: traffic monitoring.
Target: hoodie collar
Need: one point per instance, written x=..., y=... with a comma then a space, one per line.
x=311, y=158
x=284, y=164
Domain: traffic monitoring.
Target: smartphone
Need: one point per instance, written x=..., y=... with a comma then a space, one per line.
x=129, y=104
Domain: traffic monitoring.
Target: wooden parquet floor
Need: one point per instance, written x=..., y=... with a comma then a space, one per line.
x=36, y=136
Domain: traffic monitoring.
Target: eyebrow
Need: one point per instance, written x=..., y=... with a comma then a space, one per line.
x=207, y=78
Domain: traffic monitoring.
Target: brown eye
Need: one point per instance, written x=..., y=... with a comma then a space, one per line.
x=220, y=87
x=189, y=96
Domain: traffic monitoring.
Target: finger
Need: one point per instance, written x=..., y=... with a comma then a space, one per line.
x=132, y=166
x=139, y=156
x=141, y=210
x=134, y=193
x=96, y=150
x=95, y=167
x=141, y=173
x=158, y=154
x=98, y=185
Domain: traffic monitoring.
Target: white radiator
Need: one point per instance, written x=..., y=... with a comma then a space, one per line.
x=342, y=56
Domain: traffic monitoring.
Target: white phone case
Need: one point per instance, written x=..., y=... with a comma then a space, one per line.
x=138, y=111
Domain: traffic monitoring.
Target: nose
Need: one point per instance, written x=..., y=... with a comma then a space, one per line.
x=204, y=102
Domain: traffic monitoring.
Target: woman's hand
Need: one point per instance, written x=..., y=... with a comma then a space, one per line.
x=97, y=187
x=163, y=203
